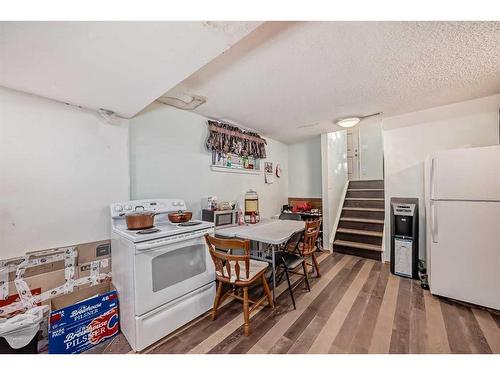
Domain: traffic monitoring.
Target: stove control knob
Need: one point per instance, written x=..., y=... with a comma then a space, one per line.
x=118, y=208
x=128, y=207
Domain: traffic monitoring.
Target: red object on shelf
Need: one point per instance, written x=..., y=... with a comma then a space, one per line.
x=302, y=206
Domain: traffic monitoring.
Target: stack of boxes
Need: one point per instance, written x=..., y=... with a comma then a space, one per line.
x=49, y=278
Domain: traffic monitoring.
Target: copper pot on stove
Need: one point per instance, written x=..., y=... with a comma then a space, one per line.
x=180, y=216
x=140, y=219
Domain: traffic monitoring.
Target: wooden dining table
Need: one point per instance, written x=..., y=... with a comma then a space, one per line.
x=269, y=232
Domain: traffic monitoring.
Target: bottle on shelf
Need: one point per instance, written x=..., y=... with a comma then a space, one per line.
x=253, y=218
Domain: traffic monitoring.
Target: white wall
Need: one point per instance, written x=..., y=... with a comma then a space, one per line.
x=409, y=138
x=334, y=178
x=60, y=168
x=371, y=157
x=168, y=159
x=304, y=164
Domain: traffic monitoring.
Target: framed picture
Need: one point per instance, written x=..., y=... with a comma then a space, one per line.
x=268, y=168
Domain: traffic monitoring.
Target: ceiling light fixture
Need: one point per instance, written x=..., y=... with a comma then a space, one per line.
x=349, y=122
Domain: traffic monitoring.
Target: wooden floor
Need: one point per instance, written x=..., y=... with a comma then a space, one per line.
x=357, y=306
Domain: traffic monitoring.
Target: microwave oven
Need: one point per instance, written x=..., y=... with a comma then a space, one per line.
x=220, y=218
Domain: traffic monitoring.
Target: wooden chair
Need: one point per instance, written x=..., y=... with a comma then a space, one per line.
x=240, y=272
x=307, y=246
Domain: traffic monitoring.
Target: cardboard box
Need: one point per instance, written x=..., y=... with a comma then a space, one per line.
x=49, y=275
x=50, y=280
x=83, y=319
x=45, y=281
x=88, y=252
x=83, y=270
x=33, y=271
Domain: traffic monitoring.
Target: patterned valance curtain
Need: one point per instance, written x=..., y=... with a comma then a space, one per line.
x=231, y=139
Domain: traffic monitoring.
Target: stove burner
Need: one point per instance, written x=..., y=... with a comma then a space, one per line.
x=189, y=223
x=148, y=231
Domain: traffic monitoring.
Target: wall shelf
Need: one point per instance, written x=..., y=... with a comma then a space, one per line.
x=220, y=168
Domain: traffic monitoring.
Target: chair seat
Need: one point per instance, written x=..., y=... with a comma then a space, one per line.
x=256, y=268
x=289, y=260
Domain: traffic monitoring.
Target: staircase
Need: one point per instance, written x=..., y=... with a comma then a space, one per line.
x=361, y=224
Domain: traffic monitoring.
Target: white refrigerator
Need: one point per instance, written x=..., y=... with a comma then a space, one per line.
x=462, y=192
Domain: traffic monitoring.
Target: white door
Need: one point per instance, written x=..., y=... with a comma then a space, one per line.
x=466, y=174
x=353, y=154
x=168, y=272
x=465, y=251
x=371, y=150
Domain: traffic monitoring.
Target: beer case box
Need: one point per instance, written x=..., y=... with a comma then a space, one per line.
x=77, y=327
x=83, y=310
x=82, y=336
x=80, y=295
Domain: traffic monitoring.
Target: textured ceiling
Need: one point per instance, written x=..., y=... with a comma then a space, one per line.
x=286, y=75
x=119, y=66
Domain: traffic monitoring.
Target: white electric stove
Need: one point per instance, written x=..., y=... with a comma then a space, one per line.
x=164, y=276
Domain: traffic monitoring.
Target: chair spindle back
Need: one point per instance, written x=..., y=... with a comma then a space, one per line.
x=310, y=236
x=227, y=265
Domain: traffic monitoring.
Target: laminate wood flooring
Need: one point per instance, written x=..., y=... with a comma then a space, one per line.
x=357, y=306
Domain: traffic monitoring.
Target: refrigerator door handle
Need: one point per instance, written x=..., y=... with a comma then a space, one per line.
x=434, y=222
x=433, y=178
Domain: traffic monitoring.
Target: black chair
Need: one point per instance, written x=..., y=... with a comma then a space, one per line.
x=290, y=216
x=290, y=261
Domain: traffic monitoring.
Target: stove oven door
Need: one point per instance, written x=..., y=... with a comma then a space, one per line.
x=165, y=273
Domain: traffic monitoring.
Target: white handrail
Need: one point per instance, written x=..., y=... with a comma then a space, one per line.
x=339, y=213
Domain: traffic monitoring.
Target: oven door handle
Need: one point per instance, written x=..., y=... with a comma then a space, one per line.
x=150, y=245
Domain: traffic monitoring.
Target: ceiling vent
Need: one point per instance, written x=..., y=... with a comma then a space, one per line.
x=109, y=116
x=187, y=103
